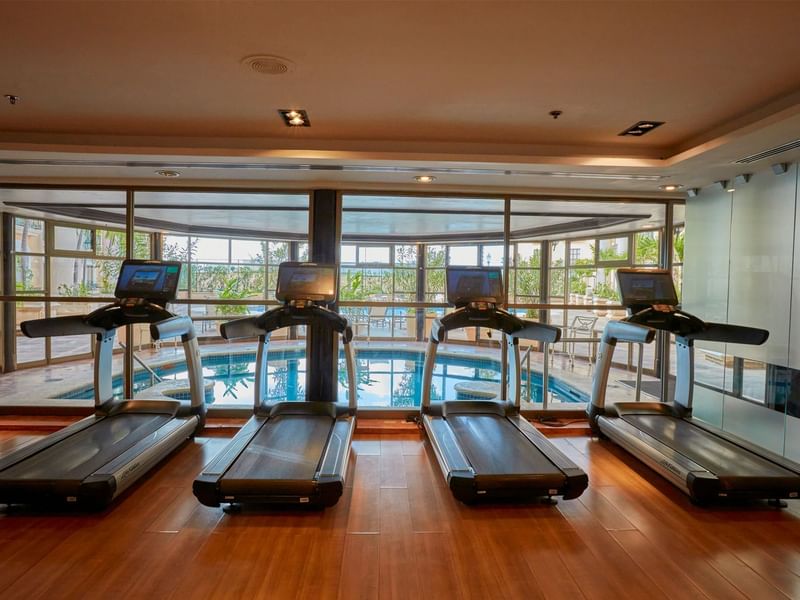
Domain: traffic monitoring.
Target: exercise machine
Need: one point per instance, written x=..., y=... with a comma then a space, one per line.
x=288, y=452
x=485, y=448
x=704, y=461
x=91, y=462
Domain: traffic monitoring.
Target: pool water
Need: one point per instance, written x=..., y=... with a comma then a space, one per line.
x=386, y=378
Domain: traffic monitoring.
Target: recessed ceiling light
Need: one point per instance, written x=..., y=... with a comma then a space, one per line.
x=670, y=187
x=168, y=173
x=12, y=98
x=424, y=178
x=295, y=117
x=642, y=127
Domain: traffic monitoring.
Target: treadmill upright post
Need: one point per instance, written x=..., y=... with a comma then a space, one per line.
x=104, y=352
x=260, y=392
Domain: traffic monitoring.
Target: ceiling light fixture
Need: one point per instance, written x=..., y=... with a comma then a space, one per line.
x=692, y=192
x=642, y=127
x=670, y=187
x=12, y=99
x=743, y=178
x=780, y=168
x=424, y=178
x=726, y=185
x=294, y=117
x=168, y=173
x=268, y=64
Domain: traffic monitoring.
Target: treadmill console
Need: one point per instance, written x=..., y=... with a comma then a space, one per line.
x=152, y=281
x=479, y=288
x=651, y=300
x=301, y=283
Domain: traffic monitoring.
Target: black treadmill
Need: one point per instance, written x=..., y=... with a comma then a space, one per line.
x=288, y=452
x=705, y=462
x=91, y=462
x=485, y=448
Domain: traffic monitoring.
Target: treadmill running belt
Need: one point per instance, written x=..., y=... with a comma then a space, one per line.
x=715, y=454
x=83, y=453
x=495, y=447
x=287, y=447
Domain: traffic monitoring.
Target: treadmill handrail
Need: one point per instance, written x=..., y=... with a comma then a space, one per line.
x=497, y=319
x=177, y=326
x=731, y=334
x=287, y=316
x=624, y=331
x=60, y=326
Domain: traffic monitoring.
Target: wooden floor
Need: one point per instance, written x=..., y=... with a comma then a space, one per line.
x=397, y=533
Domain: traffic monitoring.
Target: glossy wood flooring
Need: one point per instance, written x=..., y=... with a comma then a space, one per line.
x=397, y=533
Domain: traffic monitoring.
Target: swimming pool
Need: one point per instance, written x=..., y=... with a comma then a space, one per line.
x=386, y=377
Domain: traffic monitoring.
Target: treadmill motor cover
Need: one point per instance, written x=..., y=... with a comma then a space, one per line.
x=152, y=280
x=306, y=281
x=646, y=287
x=474, y=284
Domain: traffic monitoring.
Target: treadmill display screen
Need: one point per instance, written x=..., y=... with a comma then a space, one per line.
x=646, y=287
x=149, y=279
x=474, y=284
x=306, y=281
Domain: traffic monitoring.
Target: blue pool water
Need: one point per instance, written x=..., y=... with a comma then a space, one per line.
x=386, y=378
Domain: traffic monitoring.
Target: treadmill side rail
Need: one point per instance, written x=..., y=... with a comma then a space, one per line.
x=206, y=486
x=34, y=447
x=576, y=479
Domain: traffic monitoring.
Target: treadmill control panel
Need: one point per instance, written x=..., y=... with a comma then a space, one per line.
x=477, y=287
x=299, y=283
x=647, y=288
x=152, y=280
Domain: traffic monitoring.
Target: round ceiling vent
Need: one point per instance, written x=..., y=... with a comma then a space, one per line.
x=266, y=64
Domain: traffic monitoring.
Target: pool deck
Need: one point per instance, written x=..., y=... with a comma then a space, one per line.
x=41, y=386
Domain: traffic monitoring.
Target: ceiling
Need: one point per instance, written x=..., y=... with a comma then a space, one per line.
x=113, y=91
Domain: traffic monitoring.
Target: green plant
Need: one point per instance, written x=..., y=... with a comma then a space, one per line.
x=233, y=290
x=79, y=289
x=678, y=245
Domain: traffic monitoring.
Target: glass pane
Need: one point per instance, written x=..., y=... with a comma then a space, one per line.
x=29, y=274
x=528, y=255
x=29, y=235
x=581, y=252
x=70, y=345
x=106, y=273
x=463, y=256
x=74, y=277
x=278, y=252
x=556, y=284
x=581, y=282
x=210, y=250
x=374, y=254
x=175, y=247
x=405, y=255
x=435, y=285
x=647, y=247
x=613, y=249
x=492, y=256
x=677, y=245
x=110, y=243
x=73, y=239
x=527, y=285
x=302, y=251
x=347, y=254
x=28, y=349
x=557, y=250
x=247, y=251
x=141, y=244
x=606, y=285
x=435, y=256
x=405, y=284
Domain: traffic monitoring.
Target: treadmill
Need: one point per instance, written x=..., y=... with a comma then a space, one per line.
x=91, y=462
x=485, y=448
x=704, y=461
x=292, y=453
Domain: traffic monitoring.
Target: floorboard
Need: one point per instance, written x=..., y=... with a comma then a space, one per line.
x=397, y=532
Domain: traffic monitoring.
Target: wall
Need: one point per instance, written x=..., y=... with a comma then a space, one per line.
x=742, y=266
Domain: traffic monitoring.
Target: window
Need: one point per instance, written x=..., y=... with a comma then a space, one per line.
x=378, y=255
x=613, y=249
x=647, y=247
x=466, y=256
x=72, y=239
